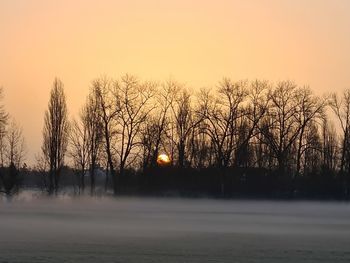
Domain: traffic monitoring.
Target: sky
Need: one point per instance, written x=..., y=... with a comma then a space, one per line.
x=195, y=42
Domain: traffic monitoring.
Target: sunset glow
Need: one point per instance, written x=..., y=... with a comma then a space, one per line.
x=195, y=42
x=163, y=160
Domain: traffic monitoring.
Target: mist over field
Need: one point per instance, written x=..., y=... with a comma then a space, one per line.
x=172, y=230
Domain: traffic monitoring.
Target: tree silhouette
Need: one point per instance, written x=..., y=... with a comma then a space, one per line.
x=4, y=116
x=156, y=125
x=79, y=146
x=222, y=114
x=132, y=98
x=92, y=119
x=222, y=141
x=104, y=89
x=15, y=145
x=55, y=134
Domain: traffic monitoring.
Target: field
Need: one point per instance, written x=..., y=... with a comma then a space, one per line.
x=173, y=230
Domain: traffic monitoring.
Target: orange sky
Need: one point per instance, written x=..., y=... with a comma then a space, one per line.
x=196, y=42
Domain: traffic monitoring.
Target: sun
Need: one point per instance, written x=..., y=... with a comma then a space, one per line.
x=163, y=159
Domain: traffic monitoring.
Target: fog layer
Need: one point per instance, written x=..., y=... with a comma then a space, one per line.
x=173, y=230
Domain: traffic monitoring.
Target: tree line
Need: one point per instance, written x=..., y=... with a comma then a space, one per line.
x=243, y=127
x=12, y=151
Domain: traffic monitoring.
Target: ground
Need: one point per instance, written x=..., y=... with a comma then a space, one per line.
x=173, y=230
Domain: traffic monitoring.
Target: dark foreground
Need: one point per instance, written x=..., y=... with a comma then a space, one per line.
x=173, y=230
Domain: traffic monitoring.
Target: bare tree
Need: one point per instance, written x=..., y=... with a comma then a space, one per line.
x=8, y=180
x=341, y=108
x=15, y=145
x=312, y=149
x=158, y=125
x=55, y=134
x=79, y=149
x=132, y=99
x=280, y=128
x=94, y=128
x=184, y=122
x=330, y=146
x=222, y=115
x=150, y=134
x=200, y=148
x=253, y=112
x=3, y=124
x=103, y=89
x=310, y=111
